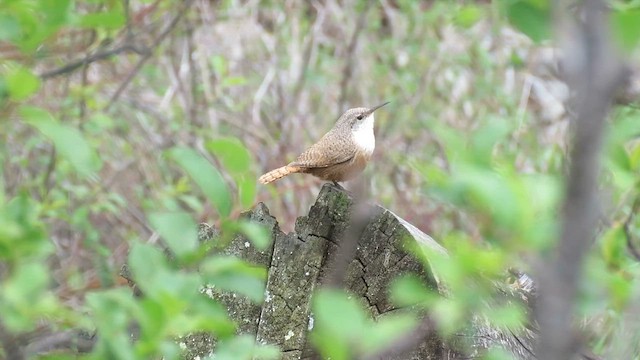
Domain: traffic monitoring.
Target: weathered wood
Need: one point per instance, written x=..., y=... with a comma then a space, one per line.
x=298, y=262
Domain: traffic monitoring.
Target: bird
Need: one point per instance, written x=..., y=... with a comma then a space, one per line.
x=340, y=155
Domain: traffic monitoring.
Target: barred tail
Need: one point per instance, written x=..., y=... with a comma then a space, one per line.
x=278, y=173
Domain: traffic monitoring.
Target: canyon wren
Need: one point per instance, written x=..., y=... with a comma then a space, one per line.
x=340, y=155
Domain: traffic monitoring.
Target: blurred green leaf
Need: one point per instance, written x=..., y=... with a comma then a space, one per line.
x=244, y=347
x=614, y=247
x=21, y=83
x=22, y=236
x=247, y=189
x=112, y=311
x=621, y=289
x=69, y=141
x=233, y=81
x=468, y=15
x=108, y=20
x=449, y=314
x=9, y=28
x=24, y=297
x=387, y=329
x=232, y=274
x=409, y=290
x=145, y=262
x=257, y=233
x=206, y=176
x=177, y=229
x=533, y=18
x=508, y=316
x=339, y=320
x=626, y=26
x=219, y=65
x=233, y=155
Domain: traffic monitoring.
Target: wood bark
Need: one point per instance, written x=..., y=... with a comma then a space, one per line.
x=298, y=262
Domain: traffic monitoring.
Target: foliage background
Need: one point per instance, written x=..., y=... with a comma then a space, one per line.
x=112, y=111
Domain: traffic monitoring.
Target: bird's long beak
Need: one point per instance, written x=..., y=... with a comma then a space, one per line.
x=376, y=108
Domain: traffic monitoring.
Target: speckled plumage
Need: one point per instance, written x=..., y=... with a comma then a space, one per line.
x=340, y=154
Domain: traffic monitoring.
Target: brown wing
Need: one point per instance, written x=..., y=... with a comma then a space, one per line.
x=330, y=150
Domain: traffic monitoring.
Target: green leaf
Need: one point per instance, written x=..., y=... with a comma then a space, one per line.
x=21, y=83
x=145, y=261
x=257, y=233
x=219, y=65
x=233, y=155
x=246, y=189
x=206, y=176
x=232, y=274
x=409, y=290
x=112, y=312
x=244, y=347
x=177, y=229
x=387, y=329
x=69, y=141
x=626, y=27
x=108, y=20
x=328, y=318
x=508, y=316
x=468, y=15
x=21, y=293
x=9, y=28
x=533, y=19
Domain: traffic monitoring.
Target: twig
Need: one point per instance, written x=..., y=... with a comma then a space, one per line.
x=76, y=340
x=593, y=72
x=100, y=55
x=145, y=57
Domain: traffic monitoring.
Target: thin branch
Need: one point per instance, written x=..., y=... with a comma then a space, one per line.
x=100, y=55
x=593, y=72
x=147, y=56
x=77, y=341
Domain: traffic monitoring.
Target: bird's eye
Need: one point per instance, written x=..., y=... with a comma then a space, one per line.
x=359, y=117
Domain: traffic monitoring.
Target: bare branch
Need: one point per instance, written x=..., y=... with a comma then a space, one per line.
x=154, y=45
x=594, y=72
x=101, y=55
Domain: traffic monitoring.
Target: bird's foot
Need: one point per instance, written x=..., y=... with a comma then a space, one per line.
x=336, y=184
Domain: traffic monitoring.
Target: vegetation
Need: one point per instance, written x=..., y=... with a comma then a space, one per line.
x=125, y=123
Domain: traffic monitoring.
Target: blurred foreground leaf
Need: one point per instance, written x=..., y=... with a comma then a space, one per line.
x=235, y=275
x=244, y=347
x=21, y=83
x=69, y=141
x=177, y=229
x=206, y=176
x=343, y=329
x=237, y=160
x=532, y=17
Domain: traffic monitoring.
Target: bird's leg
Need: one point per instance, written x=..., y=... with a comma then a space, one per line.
x=336, y=184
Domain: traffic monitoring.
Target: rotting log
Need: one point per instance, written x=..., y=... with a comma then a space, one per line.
x=298, y=261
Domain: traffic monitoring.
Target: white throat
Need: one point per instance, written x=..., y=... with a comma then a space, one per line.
x=363, y=135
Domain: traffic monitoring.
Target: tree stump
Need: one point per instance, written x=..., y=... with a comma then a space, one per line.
x=298, y=261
